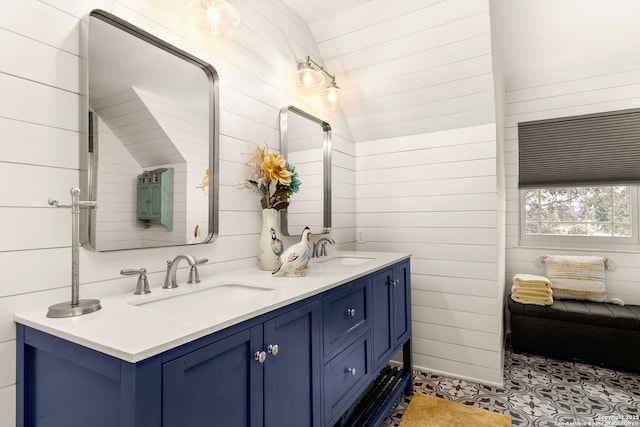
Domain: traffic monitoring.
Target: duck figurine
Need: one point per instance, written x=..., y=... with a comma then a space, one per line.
x=295, y=258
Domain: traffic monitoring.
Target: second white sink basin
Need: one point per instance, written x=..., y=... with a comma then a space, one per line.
x=345, y=260
x=206, y=297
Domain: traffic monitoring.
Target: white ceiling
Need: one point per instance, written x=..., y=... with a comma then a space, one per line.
x=540, y=38
x=314, y=10
x=416, y=66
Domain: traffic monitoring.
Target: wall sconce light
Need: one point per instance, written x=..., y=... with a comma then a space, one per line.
x=312, y=76
x=215, y=18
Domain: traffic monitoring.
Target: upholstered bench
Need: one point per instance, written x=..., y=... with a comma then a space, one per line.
x=593, y=332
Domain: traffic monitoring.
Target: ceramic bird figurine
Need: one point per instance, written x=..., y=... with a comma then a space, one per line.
x=276, y=244
x=295, y=258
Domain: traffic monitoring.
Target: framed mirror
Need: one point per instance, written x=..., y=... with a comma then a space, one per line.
x=153, y=140
x=305, y=141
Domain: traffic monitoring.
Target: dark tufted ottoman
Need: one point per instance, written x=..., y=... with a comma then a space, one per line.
x=593, y=332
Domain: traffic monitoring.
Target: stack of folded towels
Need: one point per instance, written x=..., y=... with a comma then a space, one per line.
x=531, y=289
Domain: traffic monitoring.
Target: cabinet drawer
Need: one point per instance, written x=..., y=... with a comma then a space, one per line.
x=345, y=317
x=345, y=375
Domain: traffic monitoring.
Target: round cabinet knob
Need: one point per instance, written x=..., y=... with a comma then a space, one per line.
x=260, y=356
x=395, y=282
x=351, y=371
x=273, y=349
x=351, y=312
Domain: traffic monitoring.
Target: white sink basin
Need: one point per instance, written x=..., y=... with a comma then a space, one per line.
x=345, y=260
x=205, y=297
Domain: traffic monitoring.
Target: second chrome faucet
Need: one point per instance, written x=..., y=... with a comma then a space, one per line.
x=170, y=280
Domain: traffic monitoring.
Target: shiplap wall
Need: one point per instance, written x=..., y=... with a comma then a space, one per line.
x=116, y=213
x=306, y=207
x=602, y=90
x=421, y=108
x=434, y=195
x=40, y=113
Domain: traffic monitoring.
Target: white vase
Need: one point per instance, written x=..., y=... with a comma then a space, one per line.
x=270, y=246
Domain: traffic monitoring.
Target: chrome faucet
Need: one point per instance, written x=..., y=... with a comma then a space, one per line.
x=321, y=246
x=194, y=277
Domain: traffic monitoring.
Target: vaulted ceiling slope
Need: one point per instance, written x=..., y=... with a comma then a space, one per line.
x=416, y=66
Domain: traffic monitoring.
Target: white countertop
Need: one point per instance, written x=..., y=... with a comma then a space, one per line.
x=135, y=332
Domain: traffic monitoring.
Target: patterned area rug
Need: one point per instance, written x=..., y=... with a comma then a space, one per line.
x=543, y=392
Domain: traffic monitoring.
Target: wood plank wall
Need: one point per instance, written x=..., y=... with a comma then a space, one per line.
x=600, y=90
x=40, y=110
x=421, y=107
x=434, y=195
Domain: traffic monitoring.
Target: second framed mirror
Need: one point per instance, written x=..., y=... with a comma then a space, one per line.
x=305, y=141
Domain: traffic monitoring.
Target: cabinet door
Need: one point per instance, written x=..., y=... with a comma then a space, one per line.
x=155, y=191
x=144, y=201
x=220, y=385
x=401, y=300
x=382, y=319
x=292, y=372
x=391, y=305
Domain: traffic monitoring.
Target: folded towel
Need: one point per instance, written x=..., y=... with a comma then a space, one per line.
x=535, y=301
x=531, y=280
x=532, y=292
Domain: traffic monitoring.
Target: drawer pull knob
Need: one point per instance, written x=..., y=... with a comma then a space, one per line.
x=351, y=312
x=273, y=349
x=351, y=371
x=395, y=282
x=260, y=356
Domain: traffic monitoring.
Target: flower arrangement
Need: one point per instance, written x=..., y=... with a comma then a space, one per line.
x=272, y=177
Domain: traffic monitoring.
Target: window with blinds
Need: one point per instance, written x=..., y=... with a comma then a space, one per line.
x=598, y=149
x=578, y=179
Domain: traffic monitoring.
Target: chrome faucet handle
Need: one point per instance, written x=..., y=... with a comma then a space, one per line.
x=142, y=287
x=194, y=275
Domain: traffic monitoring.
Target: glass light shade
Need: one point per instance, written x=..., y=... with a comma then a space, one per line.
x=309, y=78
x=333, y=96
x=216, y=18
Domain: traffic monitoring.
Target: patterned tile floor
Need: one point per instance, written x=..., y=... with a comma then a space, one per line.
x=543, y=392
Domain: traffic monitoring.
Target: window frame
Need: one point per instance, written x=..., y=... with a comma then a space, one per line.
x=631, y=243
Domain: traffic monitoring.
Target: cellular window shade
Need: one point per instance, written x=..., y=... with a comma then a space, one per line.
x=593, y=149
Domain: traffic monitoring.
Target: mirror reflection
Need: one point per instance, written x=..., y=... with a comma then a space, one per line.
x=153, y=140
x=305, y=141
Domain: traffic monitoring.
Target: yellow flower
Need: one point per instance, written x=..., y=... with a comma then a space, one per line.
x=205, y=181
x=274, y=167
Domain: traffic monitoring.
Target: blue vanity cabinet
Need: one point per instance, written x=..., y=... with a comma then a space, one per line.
x=391, y=327
x=312, y=363
x=266, y=375
x=292, y=376
x=347, y=346
x=219, y=384
x=346, y=315
x=59, y=383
